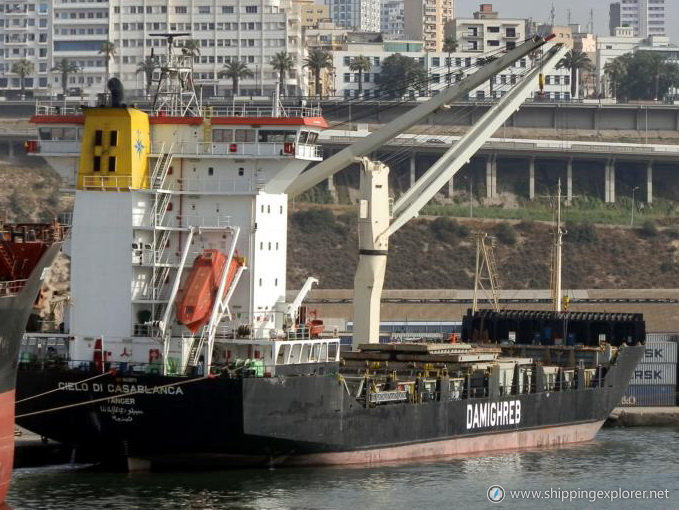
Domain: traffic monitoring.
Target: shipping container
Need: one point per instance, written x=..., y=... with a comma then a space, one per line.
x=649, y=395
x=660, y=352
x=662, y=337
x=654, y=373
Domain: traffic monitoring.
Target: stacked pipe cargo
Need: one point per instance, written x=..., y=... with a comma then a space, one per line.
x=654, y=382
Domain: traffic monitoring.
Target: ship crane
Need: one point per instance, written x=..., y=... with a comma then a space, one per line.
x=376, y=223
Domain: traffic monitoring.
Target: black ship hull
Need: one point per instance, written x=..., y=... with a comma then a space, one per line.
x=300, y=420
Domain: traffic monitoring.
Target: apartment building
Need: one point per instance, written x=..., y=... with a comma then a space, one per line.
x=486, y=31
x=311, y=14
x=646, y=17
x=363, y=15
x=426, y=20
x=392, y=24
x=26, y=29
x=438, y=65
x=252, y=31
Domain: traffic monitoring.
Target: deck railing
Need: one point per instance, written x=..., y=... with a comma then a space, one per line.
x=11, y=288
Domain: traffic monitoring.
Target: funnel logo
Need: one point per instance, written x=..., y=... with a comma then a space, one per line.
x=495, y=494
x=139, y=146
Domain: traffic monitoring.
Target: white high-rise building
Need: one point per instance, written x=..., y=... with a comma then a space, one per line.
x=25, y=29
x=393, y=19
x=360, y=15
x=646, y=17
x=46, y=33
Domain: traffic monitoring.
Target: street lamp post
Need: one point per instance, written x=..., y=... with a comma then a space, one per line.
x=631, y=221
x=258, y=92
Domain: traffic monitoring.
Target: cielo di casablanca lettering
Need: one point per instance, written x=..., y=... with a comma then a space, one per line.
x=121, y=388
x=491, y=414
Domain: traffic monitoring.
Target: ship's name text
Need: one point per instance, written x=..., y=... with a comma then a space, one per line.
x=121, y=388
x=491, y=414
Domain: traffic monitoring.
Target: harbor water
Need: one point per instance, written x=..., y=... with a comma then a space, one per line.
x=619, y=462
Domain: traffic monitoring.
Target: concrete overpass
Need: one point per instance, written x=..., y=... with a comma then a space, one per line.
x=568, y=153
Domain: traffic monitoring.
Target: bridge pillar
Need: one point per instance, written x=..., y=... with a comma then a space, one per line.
x=609, y=184
x=413, y=166
x=569, y=181
x=491, y=176
x=332, y=189
x=531, y=178
x=649, y=182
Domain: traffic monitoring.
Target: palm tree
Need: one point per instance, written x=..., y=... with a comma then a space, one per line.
x=615, y=71
x=282, y=62
x=191, y=48
x=449, y=46
x=65, y=68
x=236, y=70
x=108, y=49
x=575, y=60
x=148, y=66
x=360, y=64
x=23, y=68
x=317, y=60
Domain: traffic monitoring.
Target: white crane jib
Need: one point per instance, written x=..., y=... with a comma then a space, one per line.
x=389, y=131
x=375, y=225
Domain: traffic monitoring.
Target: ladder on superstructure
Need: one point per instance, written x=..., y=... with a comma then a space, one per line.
x=486, y=271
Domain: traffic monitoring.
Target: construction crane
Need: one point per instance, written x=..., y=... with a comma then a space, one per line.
x=375, y=223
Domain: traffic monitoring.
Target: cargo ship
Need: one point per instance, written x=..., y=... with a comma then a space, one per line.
x=26, y=250
x=180, y=348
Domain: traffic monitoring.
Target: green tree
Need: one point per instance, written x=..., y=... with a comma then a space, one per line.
x=648, y=75
x=108, y=49
x=615, y=72
x=236, y=70
x=574, y=61
x=360, y=64
x=399, y=73
x=65, y=68
x=148, y=66
x=317, y=60
x=23, y=68
x=449, y=46
x=282, y=62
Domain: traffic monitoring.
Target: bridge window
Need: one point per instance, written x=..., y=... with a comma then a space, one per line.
x=276, y=135
x=222, y=135
x=245, y=135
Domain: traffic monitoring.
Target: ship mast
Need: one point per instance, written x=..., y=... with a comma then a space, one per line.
x=556, y=255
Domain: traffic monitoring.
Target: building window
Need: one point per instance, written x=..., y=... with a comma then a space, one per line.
x=111, y=163
x=251, y=9
x=210, y=171
x=227, y=9
x=98, y=137
x=180, y=10
x=114, y=138
x=96, y=164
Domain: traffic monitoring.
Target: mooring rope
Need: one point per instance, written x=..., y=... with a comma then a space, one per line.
x=121, y=395
x=68, y=386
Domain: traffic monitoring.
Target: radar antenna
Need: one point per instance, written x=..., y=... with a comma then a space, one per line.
x=176, y=94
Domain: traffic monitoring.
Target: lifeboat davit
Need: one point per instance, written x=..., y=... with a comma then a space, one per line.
x=196, y=301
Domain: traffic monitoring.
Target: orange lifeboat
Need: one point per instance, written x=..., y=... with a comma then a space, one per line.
x=195, y=302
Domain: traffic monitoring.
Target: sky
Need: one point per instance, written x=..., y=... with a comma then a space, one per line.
x=539, y=10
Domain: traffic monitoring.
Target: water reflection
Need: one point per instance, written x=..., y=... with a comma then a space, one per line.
x=629, y=458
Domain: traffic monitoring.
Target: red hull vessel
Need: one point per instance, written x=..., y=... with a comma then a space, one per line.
x=195, y=303
x=25, y=251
